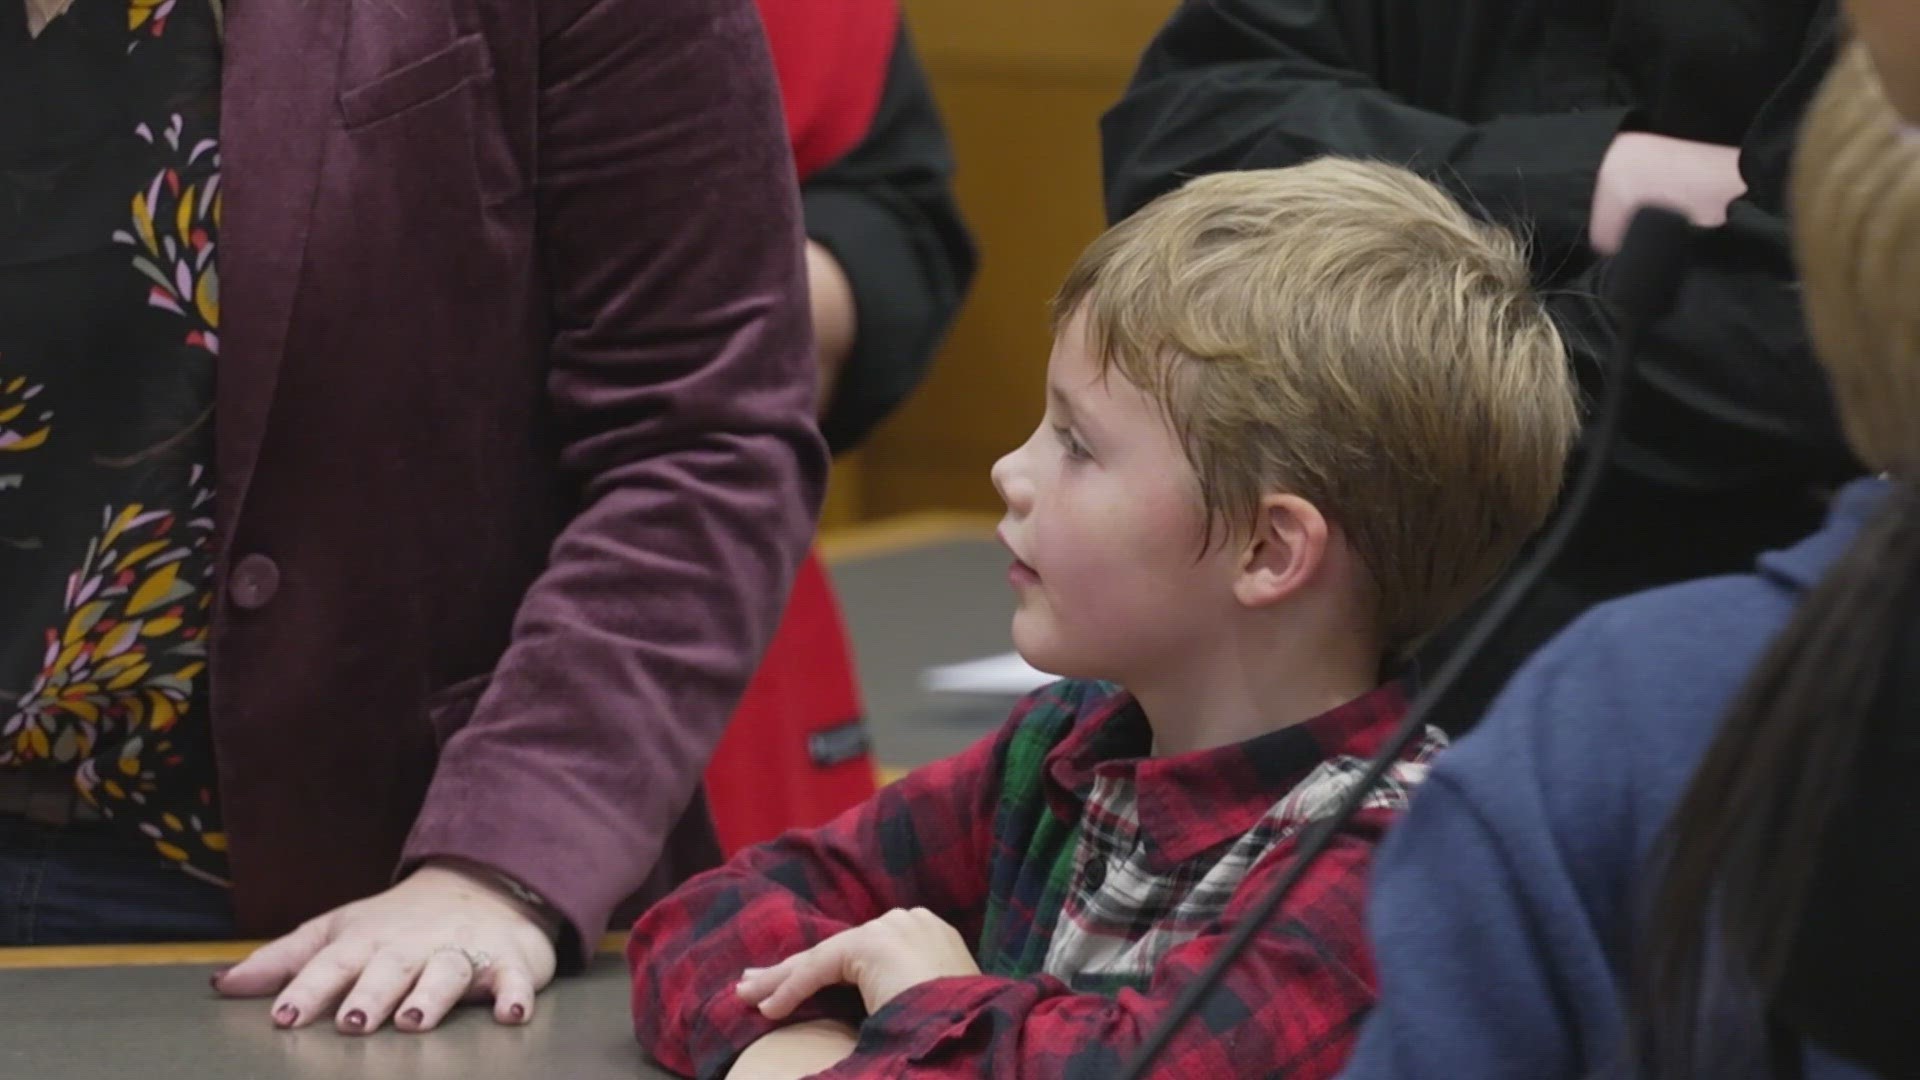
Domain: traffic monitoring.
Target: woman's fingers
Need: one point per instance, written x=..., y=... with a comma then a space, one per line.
x=513, y=994
x=443, y=982
x=385, y=980
x=273, y=965
x=323, y=981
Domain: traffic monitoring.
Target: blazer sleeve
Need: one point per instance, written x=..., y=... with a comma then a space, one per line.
x=681, y=384
x=886, y=211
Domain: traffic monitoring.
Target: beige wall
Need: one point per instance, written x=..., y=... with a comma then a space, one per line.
x=1022, y=84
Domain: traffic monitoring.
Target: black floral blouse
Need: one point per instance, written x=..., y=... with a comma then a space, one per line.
x=109, y=328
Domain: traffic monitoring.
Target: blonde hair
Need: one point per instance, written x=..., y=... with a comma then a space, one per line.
x=1856, y=213
x=1345, y=332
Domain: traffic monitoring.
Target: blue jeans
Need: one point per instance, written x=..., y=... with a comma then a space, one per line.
x=87, y=884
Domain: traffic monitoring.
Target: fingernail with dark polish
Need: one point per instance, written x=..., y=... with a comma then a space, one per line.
x=518, y=1012
x=214, y=979
x=357, y=1020
x=412, y=1018
x=287, y=1015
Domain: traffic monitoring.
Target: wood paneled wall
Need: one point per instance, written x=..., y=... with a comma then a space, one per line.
x=1022, y=85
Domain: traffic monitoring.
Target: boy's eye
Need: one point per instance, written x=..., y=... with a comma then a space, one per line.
x=1070, y=442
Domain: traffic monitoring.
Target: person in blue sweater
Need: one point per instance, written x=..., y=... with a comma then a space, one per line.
x=1675, y=846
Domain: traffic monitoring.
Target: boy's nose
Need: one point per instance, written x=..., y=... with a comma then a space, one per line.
x=1007, y=480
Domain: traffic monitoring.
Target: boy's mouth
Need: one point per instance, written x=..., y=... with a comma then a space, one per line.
x=1020, y=572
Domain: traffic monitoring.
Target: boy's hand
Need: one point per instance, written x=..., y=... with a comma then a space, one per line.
x=894, y=952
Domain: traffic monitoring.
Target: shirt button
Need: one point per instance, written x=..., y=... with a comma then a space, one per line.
x=1096, y=872
x=254, y=582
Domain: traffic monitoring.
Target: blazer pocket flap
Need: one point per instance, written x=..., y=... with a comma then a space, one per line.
x=417, y=83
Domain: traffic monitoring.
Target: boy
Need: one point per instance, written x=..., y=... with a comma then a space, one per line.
x=1295, y=420
x=1559, y=120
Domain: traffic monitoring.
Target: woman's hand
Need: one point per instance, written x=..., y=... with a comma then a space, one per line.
x=413, y=952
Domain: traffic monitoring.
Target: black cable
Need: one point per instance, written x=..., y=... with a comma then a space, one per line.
x=1642, y=281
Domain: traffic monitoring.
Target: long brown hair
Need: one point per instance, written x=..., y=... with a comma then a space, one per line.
x=1738, y=857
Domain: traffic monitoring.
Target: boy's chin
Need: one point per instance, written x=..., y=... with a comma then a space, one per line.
x=1046, y=653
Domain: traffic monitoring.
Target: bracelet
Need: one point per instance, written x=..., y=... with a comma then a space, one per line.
x=549, y=917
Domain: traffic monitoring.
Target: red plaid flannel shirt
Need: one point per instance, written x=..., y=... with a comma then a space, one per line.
x=1290, y=1006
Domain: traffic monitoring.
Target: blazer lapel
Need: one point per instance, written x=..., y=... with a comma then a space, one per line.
x=277, y=113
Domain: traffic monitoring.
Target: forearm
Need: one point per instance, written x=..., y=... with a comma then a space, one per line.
x=681, y=397
x=797, y=1050
x=1245, y=84
x=774, y=900
x=686, y=964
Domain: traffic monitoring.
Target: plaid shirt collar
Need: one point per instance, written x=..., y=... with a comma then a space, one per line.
x=1190, y=803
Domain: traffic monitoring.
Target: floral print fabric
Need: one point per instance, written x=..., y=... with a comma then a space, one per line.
x=109, y=330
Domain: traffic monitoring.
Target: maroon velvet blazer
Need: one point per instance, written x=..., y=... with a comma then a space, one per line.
x=516, y=451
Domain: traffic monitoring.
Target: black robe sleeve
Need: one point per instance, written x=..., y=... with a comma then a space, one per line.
x=886, y=211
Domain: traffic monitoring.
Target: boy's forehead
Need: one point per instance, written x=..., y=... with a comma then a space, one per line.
x=1072, y=369
x=1070, y=341
x=1081, y=384
x=1075, y=375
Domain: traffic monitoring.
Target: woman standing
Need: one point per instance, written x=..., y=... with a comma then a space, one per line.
x=394, y=593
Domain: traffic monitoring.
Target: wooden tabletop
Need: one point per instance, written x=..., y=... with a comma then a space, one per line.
x=202, y=954
x=146, y=1012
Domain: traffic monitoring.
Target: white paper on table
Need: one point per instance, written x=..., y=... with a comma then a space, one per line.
x=1005, y=674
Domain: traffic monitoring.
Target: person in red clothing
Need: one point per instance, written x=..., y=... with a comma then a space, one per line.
x=888, y=260
x=1296, y=419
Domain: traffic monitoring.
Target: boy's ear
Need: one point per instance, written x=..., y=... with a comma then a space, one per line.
x=1285, y=553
